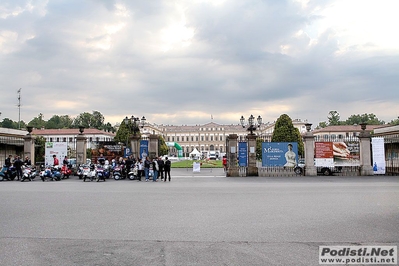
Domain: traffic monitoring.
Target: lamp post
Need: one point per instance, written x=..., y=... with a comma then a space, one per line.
x=252, y=124
x=134, y=124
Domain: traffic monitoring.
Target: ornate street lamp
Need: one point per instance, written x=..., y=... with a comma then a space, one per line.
x=252, y=124
x=135, y=124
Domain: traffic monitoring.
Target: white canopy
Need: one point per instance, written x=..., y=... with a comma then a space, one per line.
x=195, y=152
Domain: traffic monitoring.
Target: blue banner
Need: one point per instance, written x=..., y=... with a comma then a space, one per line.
x=143, y=149
x=280, y=154
x=127, y=152
x=242, y=154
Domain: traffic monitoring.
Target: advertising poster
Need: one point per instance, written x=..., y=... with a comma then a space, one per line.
x=55, y=148
x=242, y=154
x=378, y=156
x=143, y=149
x=343, y=153
x=283, y=154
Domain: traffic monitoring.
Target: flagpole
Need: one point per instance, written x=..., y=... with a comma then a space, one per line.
x=19, y=108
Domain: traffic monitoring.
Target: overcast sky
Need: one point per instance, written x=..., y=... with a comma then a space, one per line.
x=185, y=61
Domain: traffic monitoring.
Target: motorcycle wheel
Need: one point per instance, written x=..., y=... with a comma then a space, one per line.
x=1, y=178
x=117, y=177
x=132, y=177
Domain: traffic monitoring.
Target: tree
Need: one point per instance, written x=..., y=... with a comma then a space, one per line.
x=333, y=118
x=38, y=122
x=322, y=125
x=162, y=148
x=8, y=123
x=284, y=131
x=40, y=142
x=370, y=119
x=123, y=133
x=95, y=120
x=259, y=148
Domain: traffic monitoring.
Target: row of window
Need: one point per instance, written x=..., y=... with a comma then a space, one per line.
x=195, y=138
x=73, y=139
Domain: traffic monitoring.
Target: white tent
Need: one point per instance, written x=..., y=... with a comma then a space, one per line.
x=195, y=153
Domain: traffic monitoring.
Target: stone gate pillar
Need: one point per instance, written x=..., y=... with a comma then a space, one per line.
x=252, y=170
x=232, y=167
x=153, y=146
x=365, y=152
x=135, y=144
x=81, y=147
x=29, y=146
x=310, y=168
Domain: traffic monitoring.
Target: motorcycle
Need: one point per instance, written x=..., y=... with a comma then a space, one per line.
x=133, y=173
x=8, y=173
x=100, y=173
x=65, y=171
x=117, y=173
x=56, y=173
x=89, y=172
x=28, y=172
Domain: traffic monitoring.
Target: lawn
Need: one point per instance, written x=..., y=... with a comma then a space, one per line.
x=204, y=164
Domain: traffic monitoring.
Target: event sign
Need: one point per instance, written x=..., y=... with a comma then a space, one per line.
x=60, y=149
x=279, y=154
x=143, y=149
x=242, y=154
x=343, y=153
x=378, y=156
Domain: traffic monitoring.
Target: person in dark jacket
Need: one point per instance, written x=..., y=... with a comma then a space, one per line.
x=18, y=166
x=167, y=168
x=27, y=161
x=161, y=165
x=8, y=162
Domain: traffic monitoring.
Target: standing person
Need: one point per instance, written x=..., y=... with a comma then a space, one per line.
x=147, y=164
x=155, y=168
x=224, y=162
x=55, y=160
x=140, y=169
x=27, y=161
x=18, y=166
x=161, y=165
x=101, y=159
x=167, y=168
x=8, y=162
x=65, y=161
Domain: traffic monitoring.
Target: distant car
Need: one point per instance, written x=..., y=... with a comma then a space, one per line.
x=299, y=168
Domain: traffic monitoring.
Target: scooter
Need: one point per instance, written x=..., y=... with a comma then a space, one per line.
x=100, y=173
x=8, y=173
x=117, y=173
x=27, y=173
x=46, y=173
x=89, y=172
x=56, y=173
x=133, y=173
x=65, y=171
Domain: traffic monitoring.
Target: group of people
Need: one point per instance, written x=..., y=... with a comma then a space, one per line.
x=17, y=163
x=157, y=168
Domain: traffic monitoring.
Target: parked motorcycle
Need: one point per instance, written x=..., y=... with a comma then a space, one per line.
x=56, y=173
x=117, y=173
x=8, y=173
x=49, y=173
x=133, y=173
x=100, y=173
x=65, y=171
x=89, y=172
x=28, y=173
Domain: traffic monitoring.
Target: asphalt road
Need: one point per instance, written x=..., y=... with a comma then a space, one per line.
x=196, y=219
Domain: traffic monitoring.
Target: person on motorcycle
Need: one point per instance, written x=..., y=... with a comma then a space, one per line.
x=27, y=161
x=65, y=161
x=101, y=159
x=55, y=162
x=8, y=161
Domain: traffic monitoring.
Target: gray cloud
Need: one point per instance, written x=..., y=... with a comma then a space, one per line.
x=181, y=62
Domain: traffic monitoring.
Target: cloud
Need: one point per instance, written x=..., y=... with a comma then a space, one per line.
x=179, y=62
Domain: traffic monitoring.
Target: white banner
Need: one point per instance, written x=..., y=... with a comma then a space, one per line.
x=378, y=156
x=55, y=148
x=196, y=167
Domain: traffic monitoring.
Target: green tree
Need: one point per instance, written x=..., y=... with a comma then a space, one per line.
x=124, y=132
x=259, y=148
x=38, y=122
x=322, y=125
x=162, y=148
x=8, y=123
x=94, y=120
x=284, y=131
x=40, y=143
x=333, y=118
x=370, y=119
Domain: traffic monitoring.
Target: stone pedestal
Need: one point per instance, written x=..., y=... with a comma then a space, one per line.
x=135, y=144
x=29, y=148
x=310, y=169
x=81, y=148
x=153, y=146
x=366, y=169
x=232, y=166
x=252, y=170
